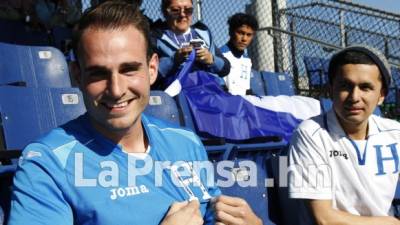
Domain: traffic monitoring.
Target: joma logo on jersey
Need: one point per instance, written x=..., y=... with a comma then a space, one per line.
x=128, y=191
x=337, y=153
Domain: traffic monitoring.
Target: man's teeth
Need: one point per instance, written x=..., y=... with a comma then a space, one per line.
x=118, y=105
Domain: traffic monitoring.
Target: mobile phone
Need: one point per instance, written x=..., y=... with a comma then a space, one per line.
x=185, y=45
x=197, y=43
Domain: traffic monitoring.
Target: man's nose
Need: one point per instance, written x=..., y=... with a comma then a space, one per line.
x=355, y=94
x=116, y=86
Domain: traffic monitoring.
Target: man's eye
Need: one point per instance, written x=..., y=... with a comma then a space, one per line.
x=129, y=70
x=98, y=74
x=344, y=86
x=366, y=88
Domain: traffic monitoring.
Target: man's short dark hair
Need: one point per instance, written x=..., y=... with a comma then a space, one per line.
x=358, y=55
x=112, y=15
x=240, y=19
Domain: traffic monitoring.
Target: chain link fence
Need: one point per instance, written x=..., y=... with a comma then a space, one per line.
x=306, y=30
x=295, y=32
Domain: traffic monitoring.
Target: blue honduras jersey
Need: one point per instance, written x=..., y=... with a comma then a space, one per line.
x=74, y=175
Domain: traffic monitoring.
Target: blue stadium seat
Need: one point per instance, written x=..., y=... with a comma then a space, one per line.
x=258, y=195
x=27, y=113
x=33, y=66
x=257, y=83
x=317, y=70
x=161, y=105
x=278, y=83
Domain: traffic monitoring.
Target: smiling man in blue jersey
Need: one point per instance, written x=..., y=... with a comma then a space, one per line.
x=115, y=165
x=345, y=163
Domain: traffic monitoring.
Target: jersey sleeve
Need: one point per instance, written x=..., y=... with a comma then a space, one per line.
x=37, y=195
x=309, y=172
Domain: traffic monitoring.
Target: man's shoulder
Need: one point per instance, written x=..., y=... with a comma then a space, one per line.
x=312, y=125
x=169, y=130
x=70, y=131
x=386, y=124
x=59, y=140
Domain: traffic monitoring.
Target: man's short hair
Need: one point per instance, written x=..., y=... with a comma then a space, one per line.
x=112, y=15
x=361, y=55
x=240, y=19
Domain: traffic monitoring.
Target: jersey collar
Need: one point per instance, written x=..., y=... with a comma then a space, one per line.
x=335, y=129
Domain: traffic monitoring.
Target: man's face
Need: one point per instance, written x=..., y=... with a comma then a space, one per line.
x=242, y=37
x=115, y=77
x=356, y=91
x=179, y=15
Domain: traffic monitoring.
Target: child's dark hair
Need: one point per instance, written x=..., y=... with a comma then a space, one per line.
x=240, y=19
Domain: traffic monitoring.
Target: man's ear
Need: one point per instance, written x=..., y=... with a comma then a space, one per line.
x=75, y=72
x=153, y=68
x=382, y=97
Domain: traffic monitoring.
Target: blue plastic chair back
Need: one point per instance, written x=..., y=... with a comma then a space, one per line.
x=163, y=106
x=33, y=66
x=317, y=70
x=28, y=113
x=278, y=83
x=257, y=83
x=259, y=197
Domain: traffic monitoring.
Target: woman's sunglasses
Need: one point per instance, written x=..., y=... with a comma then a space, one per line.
x=176, y=12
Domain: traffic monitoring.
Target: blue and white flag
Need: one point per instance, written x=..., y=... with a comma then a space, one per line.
x=235, y=117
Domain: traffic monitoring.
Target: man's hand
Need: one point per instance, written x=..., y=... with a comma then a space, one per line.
x=185, y=213
x=204, y=56
x=234, y=211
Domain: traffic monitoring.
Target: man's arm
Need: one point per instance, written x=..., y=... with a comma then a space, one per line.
x=324, y=214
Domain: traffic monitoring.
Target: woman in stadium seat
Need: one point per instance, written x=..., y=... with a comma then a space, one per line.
x=176, y=38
